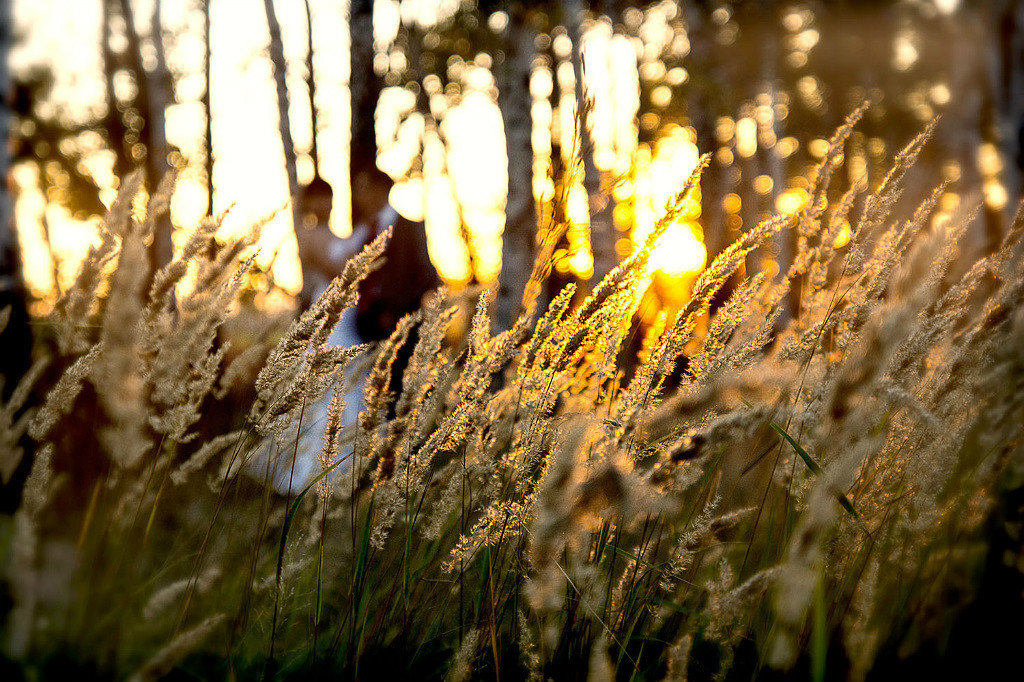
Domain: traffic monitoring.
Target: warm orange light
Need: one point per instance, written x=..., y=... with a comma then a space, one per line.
x=792, y=200
x=763, y=184
x=843, y=238
x=659, y=176
x=582, y=264
x=679, y=251
x=731, y=203
x=746, y=137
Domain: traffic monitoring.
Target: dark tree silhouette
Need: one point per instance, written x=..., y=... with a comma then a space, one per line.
x=314, y=153
x=364, y=84
x=207, y=108
x=276, y=48
x=602, y=228
x=16, y=334
x=519, y=237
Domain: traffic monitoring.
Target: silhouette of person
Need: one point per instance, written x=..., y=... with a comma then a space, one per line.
x=387, y=294
x=393, y=290
x=398, y=286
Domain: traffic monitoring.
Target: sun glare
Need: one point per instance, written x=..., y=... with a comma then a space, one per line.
x=450, y=172
x=679, y=252
x=659, y=175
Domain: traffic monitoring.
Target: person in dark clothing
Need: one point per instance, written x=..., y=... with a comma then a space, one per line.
x=406, y=275
x=398, y=287
x=395, y=289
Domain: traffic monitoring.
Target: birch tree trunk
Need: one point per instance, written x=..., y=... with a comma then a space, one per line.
x=961, y=134
x=151, y=103
x=602, y=227
x=1010, y=83
x=158, y=86
x=8, y=242
x=284, y=122
x=207, y=108
x=364, y=86
x=115, y=125
x=769, y=133
x=518, y=240
x=16, y=338
x=311, y=88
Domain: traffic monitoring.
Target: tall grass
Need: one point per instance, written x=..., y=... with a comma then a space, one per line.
x=797, y=477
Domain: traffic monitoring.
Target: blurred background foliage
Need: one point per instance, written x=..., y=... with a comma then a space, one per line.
x=473, y=108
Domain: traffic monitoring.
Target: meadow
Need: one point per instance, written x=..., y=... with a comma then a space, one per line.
x=808, y=473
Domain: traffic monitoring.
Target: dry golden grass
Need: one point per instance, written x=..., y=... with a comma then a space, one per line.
x=780, y=478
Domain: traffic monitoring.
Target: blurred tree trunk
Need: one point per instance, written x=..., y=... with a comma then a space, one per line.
x=963, y=35
x=1007, y=67
x=8, y=241
x=207, y=108
x=284, y=122
x=311, y=88
x=158, y=85
x=701, y=109
x=750, y=81
x=115, y=125
x=151, y=104
x=519, y=237
x=364, y=86
x=17, y=334
x=770, y=131
x=1011, y=88
x=602, y=228
x=418, y=75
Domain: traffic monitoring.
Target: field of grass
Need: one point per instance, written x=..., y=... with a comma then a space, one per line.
x=811, y=474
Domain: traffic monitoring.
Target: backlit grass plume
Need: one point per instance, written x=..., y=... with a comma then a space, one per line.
x=802, y=472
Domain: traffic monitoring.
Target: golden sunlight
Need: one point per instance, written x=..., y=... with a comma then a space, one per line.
x=681, y=250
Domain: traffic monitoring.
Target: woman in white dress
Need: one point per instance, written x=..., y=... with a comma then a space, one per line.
x=395, y=289
x=323, y=256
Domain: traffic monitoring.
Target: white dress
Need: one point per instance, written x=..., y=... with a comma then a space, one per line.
x=314, y=420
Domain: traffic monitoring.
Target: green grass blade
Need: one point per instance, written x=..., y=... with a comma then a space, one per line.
x=819, y=633
x=844, y=501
